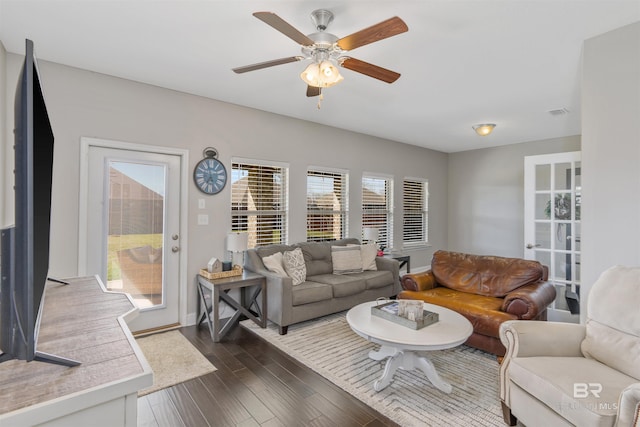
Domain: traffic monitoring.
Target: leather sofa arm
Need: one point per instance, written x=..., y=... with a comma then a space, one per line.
x=418, y=281
x=528, y=301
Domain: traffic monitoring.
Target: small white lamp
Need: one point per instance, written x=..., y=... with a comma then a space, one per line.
x=370, y=234
x=237, y=244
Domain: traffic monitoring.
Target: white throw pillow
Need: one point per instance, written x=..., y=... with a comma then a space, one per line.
x=275, y=264
x=346, y=259
x=294, y=265
x=368, y=253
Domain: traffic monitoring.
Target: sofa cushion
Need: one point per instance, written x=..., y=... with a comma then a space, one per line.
x=613, y=324
x=275, y=264
x=317, y=257
x=346, y=259
x=552, y=381
x=376, y=279
x=484, y=275
x=343, y=285
x=294, y=266
x=309, y=292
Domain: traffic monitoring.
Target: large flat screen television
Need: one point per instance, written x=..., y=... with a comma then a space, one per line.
x=25, y=246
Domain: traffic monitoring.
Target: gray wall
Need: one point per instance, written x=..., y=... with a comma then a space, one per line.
x=476, y=197
x=486, y=196
x=83, y=103
x=3, y=132
x=610, y=153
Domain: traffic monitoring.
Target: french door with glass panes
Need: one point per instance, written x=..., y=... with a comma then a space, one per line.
x=552, y=226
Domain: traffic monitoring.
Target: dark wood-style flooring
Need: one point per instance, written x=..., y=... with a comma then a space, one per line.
x=256, y=384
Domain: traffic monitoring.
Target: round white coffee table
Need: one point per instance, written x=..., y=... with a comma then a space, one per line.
x=399, y=344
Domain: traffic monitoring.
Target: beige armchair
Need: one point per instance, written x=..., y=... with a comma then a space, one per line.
x=562, y=374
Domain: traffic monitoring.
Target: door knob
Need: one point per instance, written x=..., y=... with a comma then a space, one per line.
x=531, y=246
x=175, y=249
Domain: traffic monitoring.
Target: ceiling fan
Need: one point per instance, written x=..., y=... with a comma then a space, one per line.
x=325, y=50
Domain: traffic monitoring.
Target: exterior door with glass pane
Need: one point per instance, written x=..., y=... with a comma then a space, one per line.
x=552, y=225
x=133, y=211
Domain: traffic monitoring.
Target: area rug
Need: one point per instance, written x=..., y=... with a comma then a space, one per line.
x=173, y=360
x=329, y=347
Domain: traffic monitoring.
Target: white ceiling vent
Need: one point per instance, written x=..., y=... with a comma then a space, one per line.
x=558, y=112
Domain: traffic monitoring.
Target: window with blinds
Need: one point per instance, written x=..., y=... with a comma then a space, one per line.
x=326, y=205
x=259, y=207
x=377, y=202
x=415, y=205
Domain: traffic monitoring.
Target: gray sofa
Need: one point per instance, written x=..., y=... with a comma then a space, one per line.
x=323, y=292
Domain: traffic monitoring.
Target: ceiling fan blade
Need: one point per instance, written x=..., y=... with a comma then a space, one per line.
x=370, y=70
x=389, y=28
x=260, y=65
x=313, y=91
x=284, y=27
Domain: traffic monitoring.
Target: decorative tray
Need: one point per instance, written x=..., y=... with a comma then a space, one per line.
x=388, y=311
x=235, y=271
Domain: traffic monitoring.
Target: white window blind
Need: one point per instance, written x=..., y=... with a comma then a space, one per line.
x=377, y=207
x=415, y=203
x=326, y=205
x=259, y=207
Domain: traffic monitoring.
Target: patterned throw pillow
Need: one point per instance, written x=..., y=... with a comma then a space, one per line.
x=294, y=265
x=346, y=259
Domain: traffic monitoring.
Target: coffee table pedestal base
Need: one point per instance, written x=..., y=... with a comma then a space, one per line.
x=407, y=360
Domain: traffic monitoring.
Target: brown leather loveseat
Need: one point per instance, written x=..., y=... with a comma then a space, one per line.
x=487, y=290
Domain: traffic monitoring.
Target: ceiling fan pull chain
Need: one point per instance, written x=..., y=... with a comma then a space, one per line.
x=320, y=98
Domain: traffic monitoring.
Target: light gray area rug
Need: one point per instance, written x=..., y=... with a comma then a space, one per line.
x=173, y=360
x=331, y=348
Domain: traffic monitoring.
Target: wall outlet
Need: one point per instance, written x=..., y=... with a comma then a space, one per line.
x=203, y=219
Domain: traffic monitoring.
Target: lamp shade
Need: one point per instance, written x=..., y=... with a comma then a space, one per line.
x=370, y=233
x=237, y=242
x=321, y=74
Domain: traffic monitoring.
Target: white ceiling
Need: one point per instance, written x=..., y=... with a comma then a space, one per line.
x=462, y=62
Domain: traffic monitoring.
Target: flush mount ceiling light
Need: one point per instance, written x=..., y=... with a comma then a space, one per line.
x=484, y=129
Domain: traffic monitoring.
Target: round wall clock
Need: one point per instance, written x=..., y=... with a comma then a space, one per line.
x=209, y=174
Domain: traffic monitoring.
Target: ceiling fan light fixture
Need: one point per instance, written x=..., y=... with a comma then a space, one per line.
x=484, y=129
x=321, y=74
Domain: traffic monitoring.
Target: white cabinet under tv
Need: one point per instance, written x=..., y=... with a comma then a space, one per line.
x=84, y=322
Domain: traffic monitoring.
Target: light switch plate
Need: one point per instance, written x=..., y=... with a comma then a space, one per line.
x=200, y=203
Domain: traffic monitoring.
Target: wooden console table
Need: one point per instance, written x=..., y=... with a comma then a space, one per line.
x=81, y=321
